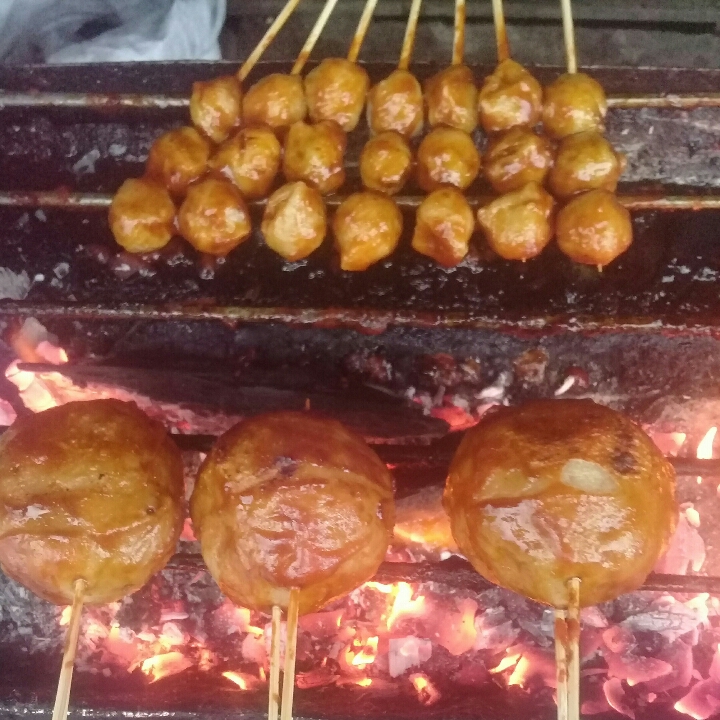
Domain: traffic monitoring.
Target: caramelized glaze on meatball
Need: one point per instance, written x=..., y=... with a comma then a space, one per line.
x=142, y=216
x=558, y=489
x=178, y=158
x=510, y=97
x=517, y=158
x=386, y=163
x=216, y=107
x=443, y=226
x=292, y=500
x=594, y=228
x=295, y=221
x=214, y=218
x=88, y=490
x=518, y=225
x=574, y=103
x=367, y=228
x=315, y=154
x=451, y=98
x=396, y=103
x=447, y=156
x=277, y=101
x=336, y=90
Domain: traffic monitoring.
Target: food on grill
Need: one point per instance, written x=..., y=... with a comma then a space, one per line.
x=443, y=226
x=336, y=90
x=216, y=107
x=396, y=103
x=315, y=154
x=250, y=159
x=447, y=156
x=291, y=500
x=277, y=101
x=178, y=158
x=518, y=225
x=594, y=228
x=386, y=163
x=451, y=98
x=89, y=490
x=142, y=216
x=509, y=98
x=585, y=161
x=516, y=158
x=295, y=222
x=367, y=228
x=558, y=489
x=574, y=103
x=214, y=218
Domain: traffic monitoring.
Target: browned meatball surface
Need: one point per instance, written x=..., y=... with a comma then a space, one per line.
x=574, y=103
x=386, y=163
x=451, y=98
x=447, y=156
x=178, y=158
x=277, y=101
x=216, y=107
x=396, y=103
x=516, y=158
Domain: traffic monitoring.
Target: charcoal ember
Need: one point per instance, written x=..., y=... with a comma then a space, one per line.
x=619, y=639
x=687, y=551
x=702, y=701
x=679, y=656
x=438, y=370
x=635, y=669
x=318, y=677
x=594, y=700
x=471, y=673
x=368, y=365
x=530, y=367
x=616, y=697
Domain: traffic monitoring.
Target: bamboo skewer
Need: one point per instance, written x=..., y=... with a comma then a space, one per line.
x=361, y=30
x=62, y=698
x=409, y=39
x=503, y=47
x=315, y=33
x=573, y=648
x=569, y=35
x=458, y=52
x=274, y=680
x=291, y=631
x=561, y=663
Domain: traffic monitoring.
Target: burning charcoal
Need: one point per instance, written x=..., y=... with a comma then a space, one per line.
x=319, y=677
x=472, y=673
x=687, y=549
x=702, y=701
x=635, y=669
x=369, y=366
x=679, y=656
x=671, y=619
x=456, y=630
x=253, y=649
x=619, y=639
x=321, y=625
x=407, y=652
x=531, y=365
x=535, y=664
x=594, y=700
x=439, y=370
x=616, y=697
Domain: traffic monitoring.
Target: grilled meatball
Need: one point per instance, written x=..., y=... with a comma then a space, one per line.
x=142, y=216
x=178, y=158
x=594, y=228
x=336, y=90
x=88, y=490
x=558, y=489
x=396, y=103
x=315, y=154
x=216, y=107
x=214, y=218
x=517, y=158
x=367, y=228
x=585, y=161
x=386, y=163
x=447, y=156
x=292, y=500
x=451, y=98
x=250, y=159
x=510, y=97
x=295, y=222
x=277, y=101
x=443, y=226
x=574, y=103
x=518, y=225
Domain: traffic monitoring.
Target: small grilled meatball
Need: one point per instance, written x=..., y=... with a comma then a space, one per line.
x=277, y=101
x=214, y=218
x=367, y=228
x=386, y=163
x=295, y=221
x=443, y=226
x=585, y=161
x=447, y=156
x=178, y=158
x=516, y=158
x=594, y=228
x=336, y=90
x=510, y=97
x=315, y=154
x=216, y=107
x=518, y=225
x=451, y=98
x=396, y=103
x=142, y=216
x=250, y=159
x=574, y=103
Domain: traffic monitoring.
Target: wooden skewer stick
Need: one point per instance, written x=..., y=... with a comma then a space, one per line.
x=409, y=39
x=503, y=47
x=569, y=33
x=291, y=631
x=274, y=682
x=459, y=33
x=315, y=33
x=573, y=648
x=267, y=38
x=62, y=698
x=561, y=663
x=361, y=30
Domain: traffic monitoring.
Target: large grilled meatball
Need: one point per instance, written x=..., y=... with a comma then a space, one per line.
x=291, y=500
x=516, y=158
x=336, y=90
x=558, y=489
x=386, y=163
x=88, y=490
x=277, y=101
x=142, y=216
x=178, y=158
x=447, y=156
x=216, y=107
x=574, y=103
x=451, y=98
x=594, y=228
x=396, y=103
